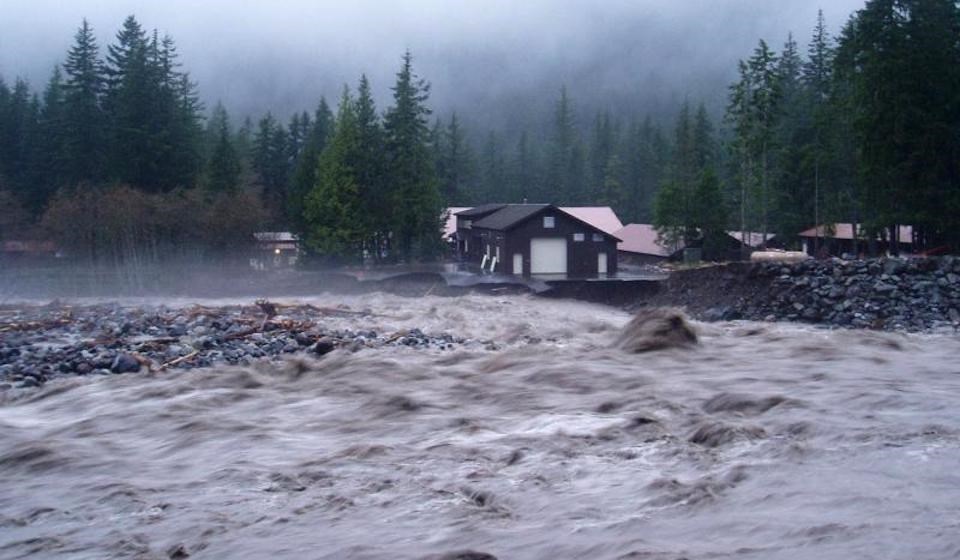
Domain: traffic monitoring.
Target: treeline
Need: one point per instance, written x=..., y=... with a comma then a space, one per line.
x=861, y=128
x=864, y=129
x=112, y=158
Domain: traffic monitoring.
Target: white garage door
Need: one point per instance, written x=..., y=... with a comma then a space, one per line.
x=548, y=255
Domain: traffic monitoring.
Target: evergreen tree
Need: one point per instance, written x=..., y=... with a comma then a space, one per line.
x=223, y=168
x=370, y=174
x=522, y=171
x=304, y=176
x=601, y=151
x=52, y=141
x=754, y=101
x=414, y=193
x=455, y=167
x=84, y=134
x=817, y=77
x=562, y=173
x=270, y=151
x=792, y=192
x=129, y=104
x=645, y=154
x=492, y=171
x=901, y=60
x=333, y=208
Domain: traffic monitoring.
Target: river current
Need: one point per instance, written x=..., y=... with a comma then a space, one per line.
x=541, y=439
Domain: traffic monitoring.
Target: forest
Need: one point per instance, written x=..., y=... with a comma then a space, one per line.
x=117, y=159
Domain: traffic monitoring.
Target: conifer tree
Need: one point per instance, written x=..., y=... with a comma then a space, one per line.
x=564, y=166
x=754, y=101
x=414, y=193
x=817, y=77
x=370, y=172
x=901, y=61
x=304, y=176
x=523, y=171
x=223, y=168
x=333, y=208
x=492, y=170
x=84, y=133
x=455, y=166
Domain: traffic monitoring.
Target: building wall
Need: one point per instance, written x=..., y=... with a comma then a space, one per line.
x=581, y=255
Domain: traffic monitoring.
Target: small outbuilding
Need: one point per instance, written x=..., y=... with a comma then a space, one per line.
x=535, y=240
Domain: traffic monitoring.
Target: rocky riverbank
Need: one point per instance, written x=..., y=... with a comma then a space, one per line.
x=918, y=294
x=39, y=343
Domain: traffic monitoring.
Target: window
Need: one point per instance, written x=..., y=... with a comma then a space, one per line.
x=549, y=222
x=598, y=237
x=579, y=237
x=467, y=224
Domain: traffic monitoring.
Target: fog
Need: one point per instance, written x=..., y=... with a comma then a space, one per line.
x=490, y=60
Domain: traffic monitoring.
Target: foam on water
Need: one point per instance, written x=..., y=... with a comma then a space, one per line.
x=762, y=441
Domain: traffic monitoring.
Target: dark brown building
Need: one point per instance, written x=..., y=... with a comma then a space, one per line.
x=534, y=240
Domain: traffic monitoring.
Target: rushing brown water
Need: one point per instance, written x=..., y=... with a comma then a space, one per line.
x=763, y=441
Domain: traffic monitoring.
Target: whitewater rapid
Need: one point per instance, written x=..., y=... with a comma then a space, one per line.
x=539, y=440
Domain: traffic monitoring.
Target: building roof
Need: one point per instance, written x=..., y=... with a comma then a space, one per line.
x=274, y=236
x=643, y=239
x=753, y=238
x=845, y=231
x=481, y=210
x=450, y=223
x=28, y=246
x=600, y=217
x=508, y=216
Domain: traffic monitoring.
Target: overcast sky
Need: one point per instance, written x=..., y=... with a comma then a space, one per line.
x=482, y=56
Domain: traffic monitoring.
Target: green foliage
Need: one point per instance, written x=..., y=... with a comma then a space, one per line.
x=455, y=165
x=416, y=219
x=223, y=168
x=900, y=60
x=333, y=207
x=690, y=202
x=304, y=176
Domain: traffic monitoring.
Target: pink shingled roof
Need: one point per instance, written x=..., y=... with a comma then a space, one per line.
x=450, y=226
x=643, y=239
x=600, y=217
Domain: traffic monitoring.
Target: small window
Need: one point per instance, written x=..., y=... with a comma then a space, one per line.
x=598, y=237
x=578, y=237
x=549, y=222
x=467, y=224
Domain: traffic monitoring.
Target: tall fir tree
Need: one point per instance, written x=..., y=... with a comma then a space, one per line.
x=84, y=132
x=333, y=209
x=456, y=166
x=304, y=176
x=414, y=192
x=371, y=175
x=901, y=61
x=223, y=167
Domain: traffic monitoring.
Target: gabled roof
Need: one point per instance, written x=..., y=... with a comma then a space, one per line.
x=600, y=217
x=450, y=223
x=753, y=239
x=643, y=239
x=509, y=215
x=481, y=210
x=274, y=236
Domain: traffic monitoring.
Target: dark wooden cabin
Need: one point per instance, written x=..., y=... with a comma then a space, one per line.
x=534, y=240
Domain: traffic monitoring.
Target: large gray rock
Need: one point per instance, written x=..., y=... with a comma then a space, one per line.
x=125, y=363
